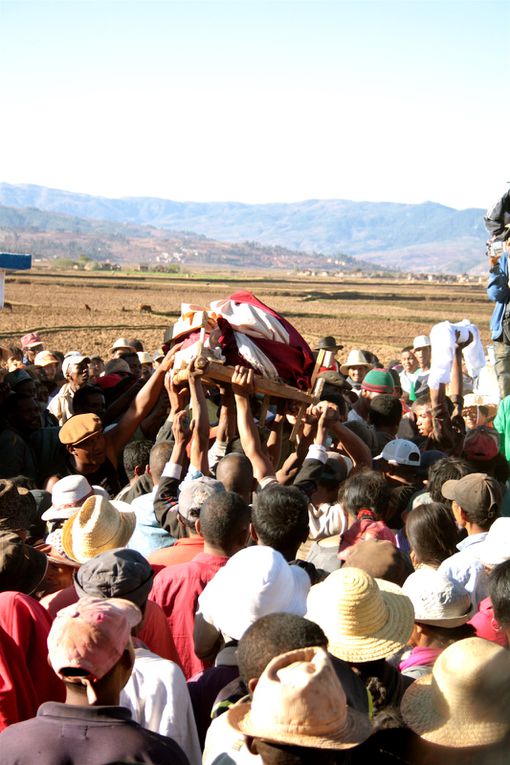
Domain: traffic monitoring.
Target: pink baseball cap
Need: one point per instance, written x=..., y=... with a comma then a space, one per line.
x=31, y=340
x=91, y=635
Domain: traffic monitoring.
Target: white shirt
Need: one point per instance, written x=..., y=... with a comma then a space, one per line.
x=159, y=700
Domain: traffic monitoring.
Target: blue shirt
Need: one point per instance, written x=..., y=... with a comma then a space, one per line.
x=465, y=567
x=148, y=535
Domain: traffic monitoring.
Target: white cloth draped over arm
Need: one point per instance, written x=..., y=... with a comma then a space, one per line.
x=443, y=338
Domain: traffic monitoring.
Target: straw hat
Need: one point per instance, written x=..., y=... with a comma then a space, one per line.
x=355, y=359
x=364, y=618
x=465, y=701
x=98, y=526
x=299, y=701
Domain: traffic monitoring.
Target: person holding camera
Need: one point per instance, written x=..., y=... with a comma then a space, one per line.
x=497, y=222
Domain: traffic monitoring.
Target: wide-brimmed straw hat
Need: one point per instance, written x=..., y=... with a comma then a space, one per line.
x=98, y=526
x=355, y=359
x=364, y=618
x=299, y=701
x=465, y=701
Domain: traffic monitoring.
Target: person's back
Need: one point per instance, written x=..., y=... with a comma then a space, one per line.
x=223, y=523
x=89, y=648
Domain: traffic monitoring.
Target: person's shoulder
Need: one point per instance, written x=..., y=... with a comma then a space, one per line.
x=158, y=746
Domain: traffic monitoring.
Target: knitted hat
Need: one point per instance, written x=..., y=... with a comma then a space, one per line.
x=378, y=381
x=363, y=618
x=299, y=701
x=100, y=525
x=465, y=701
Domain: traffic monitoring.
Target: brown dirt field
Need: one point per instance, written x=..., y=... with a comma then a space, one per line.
x=379, y=315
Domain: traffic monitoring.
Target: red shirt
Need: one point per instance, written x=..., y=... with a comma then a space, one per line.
x=176, y=590
x=182, y=551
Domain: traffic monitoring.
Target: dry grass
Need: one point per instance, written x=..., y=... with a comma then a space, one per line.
x=380, y=315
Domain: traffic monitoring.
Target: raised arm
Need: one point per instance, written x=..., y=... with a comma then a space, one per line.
x=242, y=388
x=200, y=442
x=145, y=399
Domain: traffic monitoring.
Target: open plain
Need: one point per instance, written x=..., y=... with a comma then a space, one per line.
x=382, y=315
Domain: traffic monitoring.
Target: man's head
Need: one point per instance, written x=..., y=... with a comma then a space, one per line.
x=385, y=413
x=135, y=458
x=192, y=497
x=280, y=519
x=75, y=369
x=235, y=472
x=408, y=359
x=83, y=438
x=89, y=399
x=499, y=591
x=117, y=573
x=89, y=647
x=49, y=363
x=476, y=499
x=96, y=368
x=133, y=362
x=422, y=351
x=31, y=345
x=377, y=381
x=224, y=523
x=444, y=470
x=270, y=636
x=120, y=346
x=422, y=409
x=356, y=366
x=21, y=382
x=159, y=456
x=22, y=412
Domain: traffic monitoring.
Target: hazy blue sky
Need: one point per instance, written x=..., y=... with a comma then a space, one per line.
x=258, y=101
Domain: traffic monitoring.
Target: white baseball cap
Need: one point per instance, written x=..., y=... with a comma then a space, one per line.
x=400, y=451
x=495, y=548
x=421, y=341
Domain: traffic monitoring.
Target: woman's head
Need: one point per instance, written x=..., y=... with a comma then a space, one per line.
x=432, y=534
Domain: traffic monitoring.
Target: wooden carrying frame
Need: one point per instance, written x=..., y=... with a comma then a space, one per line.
x=216, y=372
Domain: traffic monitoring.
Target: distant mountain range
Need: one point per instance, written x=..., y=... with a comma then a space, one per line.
x=428, y=237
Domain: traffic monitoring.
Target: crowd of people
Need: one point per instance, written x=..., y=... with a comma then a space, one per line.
x=192, y=573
